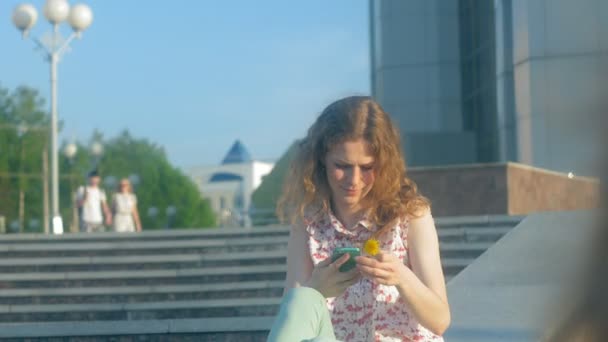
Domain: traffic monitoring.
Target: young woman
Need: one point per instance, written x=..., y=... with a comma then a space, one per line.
x=124, y=204
x=348, y=185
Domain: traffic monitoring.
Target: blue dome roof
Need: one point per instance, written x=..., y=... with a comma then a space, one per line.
x=237, y=154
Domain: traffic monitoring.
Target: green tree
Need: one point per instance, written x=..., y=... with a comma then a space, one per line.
x=160, y=184
x=265, y=197
x=23, y=139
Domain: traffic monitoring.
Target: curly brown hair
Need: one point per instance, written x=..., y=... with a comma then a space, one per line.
x=306, y=191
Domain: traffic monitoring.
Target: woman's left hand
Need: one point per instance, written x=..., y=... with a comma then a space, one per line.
x=384, y=269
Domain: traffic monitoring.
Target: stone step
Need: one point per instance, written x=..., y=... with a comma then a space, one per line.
x=216, y=246
x=67, y=243
x=172, y=277
x=143, y=277
x=238, y=307
x=443, y=224
x=478, y=221
x=144, y=293
x=124, y=310
x=246, y=329
x=473, y=234
x=129, y=294
x=143, y=247
x=209, y=233
x=140, y=262
x=183, y=305
x=144, y=262
x=133, y=250
x=469, y=250
x=160, y=278
x=453, y=266
x=148, y=235
x=217, y=233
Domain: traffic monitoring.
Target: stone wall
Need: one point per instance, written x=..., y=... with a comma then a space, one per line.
x=464, y=190
x=506, y=188
x=533, y=190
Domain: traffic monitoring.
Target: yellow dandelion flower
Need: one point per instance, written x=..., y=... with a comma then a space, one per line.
x=371, y=247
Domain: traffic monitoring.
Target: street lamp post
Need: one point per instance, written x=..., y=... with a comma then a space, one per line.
x=135, y=180
x=54, y=46
x=152, y=214
x=170, y=212
x=96, y=153
x=70, y=151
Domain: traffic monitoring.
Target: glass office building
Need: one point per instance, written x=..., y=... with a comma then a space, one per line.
x=472, y=81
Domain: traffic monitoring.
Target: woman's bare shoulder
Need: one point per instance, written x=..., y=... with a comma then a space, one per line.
x=419, y=214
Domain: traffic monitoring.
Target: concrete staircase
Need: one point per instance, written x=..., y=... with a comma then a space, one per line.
x=215, y=285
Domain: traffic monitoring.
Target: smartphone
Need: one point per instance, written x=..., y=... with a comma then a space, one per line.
x=350, y=263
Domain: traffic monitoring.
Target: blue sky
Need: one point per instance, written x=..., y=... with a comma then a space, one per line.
x=194, y=75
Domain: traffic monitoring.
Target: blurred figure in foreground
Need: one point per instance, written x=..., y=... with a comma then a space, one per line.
x=587, y=319
x=586, y=316
x=91, y=200
x=124, y=205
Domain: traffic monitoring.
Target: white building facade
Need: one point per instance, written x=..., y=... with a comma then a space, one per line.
x=229, y=186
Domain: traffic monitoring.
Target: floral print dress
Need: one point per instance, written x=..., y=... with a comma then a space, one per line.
x=366, y=311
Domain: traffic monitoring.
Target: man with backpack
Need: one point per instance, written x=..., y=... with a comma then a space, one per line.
x=92, y=205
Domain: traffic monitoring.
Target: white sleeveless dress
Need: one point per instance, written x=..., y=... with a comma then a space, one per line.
x=123, y=212
x=366, y=311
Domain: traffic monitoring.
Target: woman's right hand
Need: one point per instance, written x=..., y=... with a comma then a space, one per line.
x=329, y=281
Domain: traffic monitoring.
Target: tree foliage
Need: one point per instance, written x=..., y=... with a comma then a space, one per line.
x=266, y=196
x=24, y=137
x=160, y=184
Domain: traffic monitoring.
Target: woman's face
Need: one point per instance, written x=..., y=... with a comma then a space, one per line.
x=350, y=172
x=125, y=186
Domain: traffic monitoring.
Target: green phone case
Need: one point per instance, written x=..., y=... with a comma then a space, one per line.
x=351, y=263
